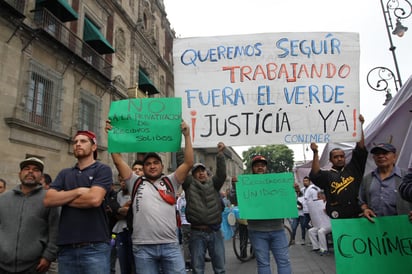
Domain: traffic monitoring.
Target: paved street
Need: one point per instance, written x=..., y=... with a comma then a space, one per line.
x=303, y=262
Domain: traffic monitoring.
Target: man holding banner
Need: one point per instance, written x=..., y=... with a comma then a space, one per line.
x=268, y=235
x=204, y=212
x=341, y=183
x=154, y=238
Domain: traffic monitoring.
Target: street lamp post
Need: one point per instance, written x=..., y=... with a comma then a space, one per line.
x=379, y=78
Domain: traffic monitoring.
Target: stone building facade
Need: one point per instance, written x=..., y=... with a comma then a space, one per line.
x=63, y=62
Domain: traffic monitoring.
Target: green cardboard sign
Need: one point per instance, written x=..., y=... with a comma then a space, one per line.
x=145, y=125
x=381, y=247
x=266, y=196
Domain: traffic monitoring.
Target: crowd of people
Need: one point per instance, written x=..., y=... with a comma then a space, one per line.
x=78, y=223
x=346, y=191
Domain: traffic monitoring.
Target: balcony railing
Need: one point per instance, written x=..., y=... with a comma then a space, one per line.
x=14, y=7
x=55, y=28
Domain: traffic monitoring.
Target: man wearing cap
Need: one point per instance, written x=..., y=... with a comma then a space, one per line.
x=341, y=183
x=155, y=243
x=28, y=230
x=268, y=235
x=84, y=236
x=378, y=193
x=204, y=213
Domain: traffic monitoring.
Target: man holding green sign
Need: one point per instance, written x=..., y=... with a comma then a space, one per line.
x=153, y=208
x=267, y=235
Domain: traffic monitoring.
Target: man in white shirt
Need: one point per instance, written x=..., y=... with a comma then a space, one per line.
x=185, y=229
x=321, y=225
x=310, y=194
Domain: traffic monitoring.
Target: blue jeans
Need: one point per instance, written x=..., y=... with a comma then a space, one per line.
x=125, y=252
x=265, y=241
x=295, y=223
x=150, y=258
x=91, y=259
x=201, y=241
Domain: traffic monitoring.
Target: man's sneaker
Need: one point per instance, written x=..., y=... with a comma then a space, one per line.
x=315, y=250
x=188, y=267
x=207, y=259
x=324, y=253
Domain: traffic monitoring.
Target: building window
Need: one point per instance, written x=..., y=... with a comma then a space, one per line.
x=43, y=97
x=89, y=110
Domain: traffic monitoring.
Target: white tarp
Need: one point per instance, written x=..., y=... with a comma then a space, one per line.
x=393, y=125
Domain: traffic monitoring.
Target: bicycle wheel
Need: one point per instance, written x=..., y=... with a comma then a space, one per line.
x=241, y=244
x=288, y=232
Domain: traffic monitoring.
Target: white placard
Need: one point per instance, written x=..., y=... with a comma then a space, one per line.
x=270, y=88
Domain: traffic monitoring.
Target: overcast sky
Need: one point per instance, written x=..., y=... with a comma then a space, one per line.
x=194, y=18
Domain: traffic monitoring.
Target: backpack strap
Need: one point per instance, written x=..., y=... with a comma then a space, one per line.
x=139, y=180
x=169, y=184
x=136, y=187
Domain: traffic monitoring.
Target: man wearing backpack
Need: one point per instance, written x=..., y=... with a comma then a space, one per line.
x=155, y=244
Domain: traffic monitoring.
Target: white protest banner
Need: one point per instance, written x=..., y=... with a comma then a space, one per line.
x=269, y=88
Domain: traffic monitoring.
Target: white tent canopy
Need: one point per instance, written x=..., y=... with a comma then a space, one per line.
x=393, y=125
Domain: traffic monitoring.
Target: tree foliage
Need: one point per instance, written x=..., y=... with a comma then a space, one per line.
x=280, y=158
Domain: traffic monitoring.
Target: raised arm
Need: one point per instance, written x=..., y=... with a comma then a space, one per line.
x=122, y=167
x=315, y=162
x=219, y=177
x=183, y=169
x=361, y=142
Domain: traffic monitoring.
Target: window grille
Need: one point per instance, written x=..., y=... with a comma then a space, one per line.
x=42, y=100
x=89, y=112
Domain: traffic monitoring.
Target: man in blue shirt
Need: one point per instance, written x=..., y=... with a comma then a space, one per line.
x=378, y=193
x=81, y=190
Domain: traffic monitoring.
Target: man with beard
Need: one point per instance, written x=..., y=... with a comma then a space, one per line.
x=28, y=230
x=341, y=183
x=84, y=236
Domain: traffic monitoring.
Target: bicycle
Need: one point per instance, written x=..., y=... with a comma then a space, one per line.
x=288, y=232
x=241, y=243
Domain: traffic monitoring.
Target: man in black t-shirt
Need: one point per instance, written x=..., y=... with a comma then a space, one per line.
x=341, y=183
